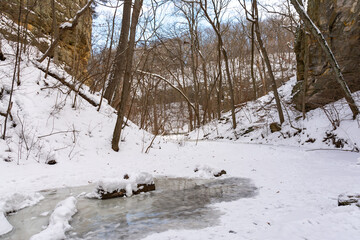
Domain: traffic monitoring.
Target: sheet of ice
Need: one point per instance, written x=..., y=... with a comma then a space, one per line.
x=59, y=221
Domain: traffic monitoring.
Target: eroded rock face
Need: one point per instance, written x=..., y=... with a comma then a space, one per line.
x=74, y=46
x=339, y=21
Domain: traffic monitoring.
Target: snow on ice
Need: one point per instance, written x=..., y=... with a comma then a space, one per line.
x=59, y=221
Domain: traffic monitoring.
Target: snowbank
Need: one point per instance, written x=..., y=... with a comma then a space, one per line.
x=59, y=221
x=18, y=201
x=13, y=203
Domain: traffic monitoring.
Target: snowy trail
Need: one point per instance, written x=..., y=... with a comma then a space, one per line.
x=297, y=197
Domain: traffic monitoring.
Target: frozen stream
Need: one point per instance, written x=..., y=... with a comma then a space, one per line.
x=177, y=203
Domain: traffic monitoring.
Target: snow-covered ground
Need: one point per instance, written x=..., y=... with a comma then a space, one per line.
x=328, y=127
x=297, y=185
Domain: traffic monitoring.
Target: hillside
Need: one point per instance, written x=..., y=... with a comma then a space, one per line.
x=327, y=127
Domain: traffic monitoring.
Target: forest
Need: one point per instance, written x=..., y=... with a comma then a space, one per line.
x=179, y=119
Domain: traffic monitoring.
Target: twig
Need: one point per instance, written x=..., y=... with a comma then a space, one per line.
x=50, y=134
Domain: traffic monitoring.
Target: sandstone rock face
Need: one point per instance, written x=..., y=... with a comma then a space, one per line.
x=339, y=21
x=73, y=48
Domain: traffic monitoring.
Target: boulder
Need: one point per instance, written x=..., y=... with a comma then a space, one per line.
x=349, y=199
x=275, y=127
x=222, y=172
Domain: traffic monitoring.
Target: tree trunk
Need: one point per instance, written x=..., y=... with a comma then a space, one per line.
x=253, y=54
x=120, y=58
x=268, y=65
x=14, y=73
x=127, y=75
x=107, y=64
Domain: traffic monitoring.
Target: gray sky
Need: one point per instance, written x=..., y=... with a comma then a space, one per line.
x=104, y=13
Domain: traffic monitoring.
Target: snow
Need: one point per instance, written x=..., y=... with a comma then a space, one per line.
x=5, y=226
x=314, y=132
x=298, y=184
x=18, y=201
x=205, y=171
x=14, y=203
x=66, y=25
x=110, y=185
x=59, y=221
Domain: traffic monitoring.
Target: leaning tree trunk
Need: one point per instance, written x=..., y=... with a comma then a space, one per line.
x=17, y=59
x=120, y=57
x=253, y=54
x=316, y=33
x=268, y=65
x=127, y=76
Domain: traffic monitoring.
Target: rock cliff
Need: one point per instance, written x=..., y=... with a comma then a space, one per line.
x=37, y=15
x=339, y=21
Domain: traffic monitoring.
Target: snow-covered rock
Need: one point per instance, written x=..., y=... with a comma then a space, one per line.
x=128, y=185
x=205, y=171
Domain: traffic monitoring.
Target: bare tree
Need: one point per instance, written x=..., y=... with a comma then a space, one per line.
x=265, y=55
x=127, y=76
x=107, y=64
x=215, y=24
x=17, y=59
x=120, y=57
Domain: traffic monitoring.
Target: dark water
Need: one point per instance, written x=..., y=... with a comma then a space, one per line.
x=177, y=203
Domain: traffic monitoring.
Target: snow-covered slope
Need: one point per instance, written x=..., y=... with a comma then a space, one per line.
x=46, y=125
x=317, y=130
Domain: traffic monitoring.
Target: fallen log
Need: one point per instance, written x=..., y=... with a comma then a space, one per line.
x=122, y=192
x=126, y=186
x=69, y=85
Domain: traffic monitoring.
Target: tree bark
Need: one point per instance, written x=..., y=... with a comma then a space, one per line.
x=268, y=65
x=223, y=51
x=120, y=58
x=253, y=54
x=127, y=76
x=107, y=64
x=14, y=73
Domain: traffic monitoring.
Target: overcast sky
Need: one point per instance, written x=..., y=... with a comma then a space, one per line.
x=167, y=14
